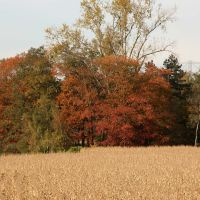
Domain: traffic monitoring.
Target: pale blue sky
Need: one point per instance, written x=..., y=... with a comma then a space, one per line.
x=22, y=24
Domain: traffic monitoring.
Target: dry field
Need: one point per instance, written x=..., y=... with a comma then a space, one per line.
x=103, y=173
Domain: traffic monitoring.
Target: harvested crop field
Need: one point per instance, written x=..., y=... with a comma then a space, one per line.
x=103, y=173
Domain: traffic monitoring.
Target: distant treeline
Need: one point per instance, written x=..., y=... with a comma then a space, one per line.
x=46, y=107
x=99, y=91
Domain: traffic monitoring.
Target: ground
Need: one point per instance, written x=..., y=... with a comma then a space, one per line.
x=155, y=173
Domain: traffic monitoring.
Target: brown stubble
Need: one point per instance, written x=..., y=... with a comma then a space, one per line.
x=103, y=173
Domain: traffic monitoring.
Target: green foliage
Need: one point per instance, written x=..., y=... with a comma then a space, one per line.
x=91, y=90
x=11, y=148
x=51, y=142
x=194, y=101
x=176, y=72
x=106, y=102
x=22, y=145
x=194, y=106
x=75, y=149
x=180, y=91
x=32, y=111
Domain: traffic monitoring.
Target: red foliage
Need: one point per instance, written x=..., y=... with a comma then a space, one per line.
x=116, y=104
x=7, y=72
x=135, y=110
x=77, y=102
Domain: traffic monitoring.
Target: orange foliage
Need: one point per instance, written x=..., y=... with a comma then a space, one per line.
x=136, y=107
x=7, y=72
x=116, y=104
x=77, y=102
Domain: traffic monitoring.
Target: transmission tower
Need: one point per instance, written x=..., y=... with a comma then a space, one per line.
x=191, y=66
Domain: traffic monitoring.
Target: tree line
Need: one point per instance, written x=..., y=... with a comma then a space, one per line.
x=100, y=90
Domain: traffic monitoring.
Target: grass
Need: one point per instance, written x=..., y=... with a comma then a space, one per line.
x=103, y=173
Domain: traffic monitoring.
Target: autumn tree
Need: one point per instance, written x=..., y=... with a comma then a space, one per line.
x=194, y=106
x=113, y=116
x=125, y=27
x=118, y=27
x=32, y=109
x=135, y=109
x=69, y=47
x=8, y=68
x=81, y=90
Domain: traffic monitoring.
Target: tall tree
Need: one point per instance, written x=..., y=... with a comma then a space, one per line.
x=135, y=109
x=118, y=27
x=8, y=68
x=180, y=86
x=194, y=106
x=81, y=89
x=175, y=68
x=125, y=27
x=32, y=108
x=68, y=47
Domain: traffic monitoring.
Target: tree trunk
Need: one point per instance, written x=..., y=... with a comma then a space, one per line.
x=83, y=140
x=92, y=140
x=196, y=137
x=88, y=141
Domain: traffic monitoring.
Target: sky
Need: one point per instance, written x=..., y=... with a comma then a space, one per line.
x=22, y=25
